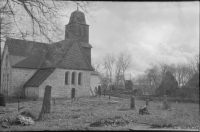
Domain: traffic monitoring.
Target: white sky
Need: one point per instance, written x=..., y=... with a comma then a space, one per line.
x=150, y=31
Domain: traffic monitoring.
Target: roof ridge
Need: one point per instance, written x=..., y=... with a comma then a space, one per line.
x=27, y=40
x=85, y=57
x=70, y=45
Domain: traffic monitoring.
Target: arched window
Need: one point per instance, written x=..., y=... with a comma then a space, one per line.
x=67, y=78
x=80, y=78
x=73, y=77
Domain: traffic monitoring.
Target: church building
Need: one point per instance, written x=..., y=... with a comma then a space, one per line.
x=28, y=66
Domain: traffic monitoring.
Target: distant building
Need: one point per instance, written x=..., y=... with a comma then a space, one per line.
x=28, y=66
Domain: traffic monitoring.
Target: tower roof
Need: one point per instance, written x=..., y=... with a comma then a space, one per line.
x=77, y=17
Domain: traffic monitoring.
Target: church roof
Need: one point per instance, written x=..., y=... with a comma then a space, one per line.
x=39, y=77
x=45, y=57
x=30, y=54
x=25, y=54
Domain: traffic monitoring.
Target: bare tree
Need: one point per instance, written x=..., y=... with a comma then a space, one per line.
x=43, y=17
x=98, y=66
x=109, y=61
x=118, y=72
x=153, y=75
x=124, y=63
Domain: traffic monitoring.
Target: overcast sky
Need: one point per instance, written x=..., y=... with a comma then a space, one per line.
x=150, y=31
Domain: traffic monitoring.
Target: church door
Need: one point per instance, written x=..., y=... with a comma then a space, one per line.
x=73, y=93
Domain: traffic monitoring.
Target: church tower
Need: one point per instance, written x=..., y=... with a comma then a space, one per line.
x=77, y=27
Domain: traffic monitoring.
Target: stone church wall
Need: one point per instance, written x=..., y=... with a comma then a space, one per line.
x=19, y=77
x=60, y=89
x=5, y=73
x=32, y=92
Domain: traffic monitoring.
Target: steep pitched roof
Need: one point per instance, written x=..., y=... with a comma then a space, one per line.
x=26, y=54
x=39, y=77
x=75, y=59
x=30, y=54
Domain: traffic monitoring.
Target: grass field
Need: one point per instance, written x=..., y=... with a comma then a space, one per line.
x=78, y=115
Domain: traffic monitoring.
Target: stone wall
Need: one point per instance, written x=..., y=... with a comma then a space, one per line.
x=19, y=77
x=5, y=73
x=60, y=89
x=32, y=92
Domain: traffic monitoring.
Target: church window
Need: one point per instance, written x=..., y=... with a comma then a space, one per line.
x=73, y=77
x=80, y=78
x=67, y=78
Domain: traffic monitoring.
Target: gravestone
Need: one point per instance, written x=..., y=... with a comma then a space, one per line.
x=147, y=102
x=73, y=93
x=166, y=104
x=132, y=102
x=46, y=106
x=2, y=100
x=99, y=91
x=143, y=110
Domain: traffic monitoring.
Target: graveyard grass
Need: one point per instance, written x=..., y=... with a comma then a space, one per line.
x=78, y=115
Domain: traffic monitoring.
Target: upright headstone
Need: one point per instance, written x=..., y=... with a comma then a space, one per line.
x=99, y=91
x=132, y=102
x=104, y=91
x=73, y=93
x=2, y=100
x=46, y=106
x=147, y=102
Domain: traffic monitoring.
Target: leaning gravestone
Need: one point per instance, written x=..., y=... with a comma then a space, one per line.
x=46, y=106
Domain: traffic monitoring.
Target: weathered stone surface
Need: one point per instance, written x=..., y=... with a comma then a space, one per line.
x=2, y=100
x=132, y=102
x=143, y=110
x=46, y=106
